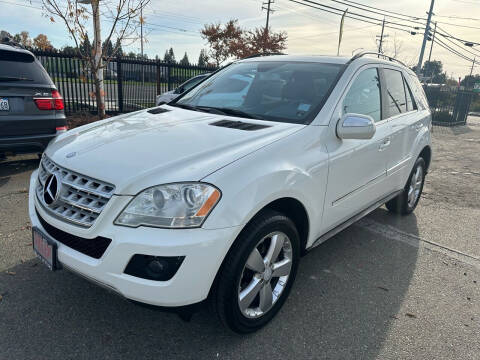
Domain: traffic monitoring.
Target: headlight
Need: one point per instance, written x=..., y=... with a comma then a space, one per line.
x=180, y=205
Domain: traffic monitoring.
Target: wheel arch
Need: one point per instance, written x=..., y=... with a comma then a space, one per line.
x=290, y=207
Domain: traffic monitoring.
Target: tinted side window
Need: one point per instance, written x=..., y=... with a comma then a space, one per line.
x=396, y=100
x=363, y=97
x=410, y=99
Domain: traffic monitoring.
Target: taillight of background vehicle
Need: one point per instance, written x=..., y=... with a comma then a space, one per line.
x=50, y=103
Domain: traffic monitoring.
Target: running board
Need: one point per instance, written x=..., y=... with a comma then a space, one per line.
x=353, y=219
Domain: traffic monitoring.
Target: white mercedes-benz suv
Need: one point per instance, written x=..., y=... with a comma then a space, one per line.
x=217, y=194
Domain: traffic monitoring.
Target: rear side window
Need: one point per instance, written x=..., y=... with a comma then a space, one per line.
x=396, y=99
x=21, y=68
x=411, y=105
x=363, y=97
x=418, y=92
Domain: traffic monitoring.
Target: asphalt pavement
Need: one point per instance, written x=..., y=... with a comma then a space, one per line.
x=388, y=287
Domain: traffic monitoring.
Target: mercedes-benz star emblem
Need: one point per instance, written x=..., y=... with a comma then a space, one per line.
x=51, y=189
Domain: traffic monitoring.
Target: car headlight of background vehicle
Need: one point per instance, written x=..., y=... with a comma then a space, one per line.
x=179, y=205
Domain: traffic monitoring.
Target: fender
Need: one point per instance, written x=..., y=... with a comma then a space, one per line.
x=279, y=171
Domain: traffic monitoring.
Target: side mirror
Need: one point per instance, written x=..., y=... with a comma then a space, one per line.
x=356, y=126
x=178, y=90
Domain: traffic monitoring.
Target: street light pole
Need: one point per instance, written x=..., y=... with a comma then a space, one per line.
x=425, y=35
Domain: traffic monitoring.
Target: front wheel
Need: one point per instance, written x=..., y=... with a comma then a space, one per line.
x=258, y=273
x=407, y=200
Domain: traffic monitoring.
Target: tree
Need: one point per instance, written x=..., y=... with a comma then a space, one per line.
x=203, y=58
x=23, y=39
x=469, y=80
x=434, y=71
x=4, y=34
x=41, y=42
x=123, y=19
x=107, y=48
x=184, y=60
x=230, y=40
x=169, y=56
x=69, y=49
x=258, y=41
x=221, y=39
x=118, y=46
x=85, y=45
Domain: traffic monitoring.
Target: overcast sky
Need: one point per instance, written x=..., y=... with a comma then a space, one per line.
x=176, y=23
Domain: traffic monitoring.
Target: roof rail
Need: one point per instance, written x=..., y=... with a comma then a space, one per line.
x=262, y=54
x=386, y=57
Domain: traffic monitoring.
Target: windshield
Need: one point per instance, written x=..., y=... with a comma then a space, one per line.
x=270, y=90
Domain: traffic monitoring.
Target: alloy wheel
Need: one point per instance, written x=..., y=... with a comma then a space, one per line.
x=265, y=274
x=415, y=186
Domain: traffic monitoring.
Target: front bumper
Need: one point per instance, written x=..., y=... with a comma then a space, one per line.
x=204, y=251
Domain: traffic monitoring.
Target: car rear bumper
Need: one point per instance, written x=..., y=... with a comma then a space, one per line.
x=203, y=251
x=25, y=144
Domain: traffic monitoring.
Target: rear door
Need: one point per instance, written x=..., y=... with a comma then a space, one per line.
x=402, y=113
x=22, y=78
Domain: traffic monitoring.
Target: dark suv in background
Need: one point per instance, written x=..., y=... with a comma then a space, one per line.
x=31, y=108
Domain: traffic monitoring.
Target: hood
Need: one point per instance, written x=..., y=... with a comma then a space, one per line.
x=138, y=150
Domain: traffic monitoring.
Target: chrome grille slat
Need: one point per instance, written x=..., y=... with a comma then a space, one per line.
x=82, y=198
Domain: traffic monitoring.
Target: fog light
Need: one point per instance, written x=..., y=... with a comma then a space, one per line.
x=157, y=266
x=160, y=268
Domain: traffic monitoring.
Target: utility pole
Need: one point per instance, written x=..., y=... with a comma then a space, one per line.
x=267, y=6
x=269, y=10
x=471, y=70
x=425, y=36
x=380, y=43
x=432, y=40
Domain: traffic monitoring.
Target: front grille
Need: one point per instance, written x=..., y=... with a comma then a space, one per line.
x=81, y=199
x=90, y=247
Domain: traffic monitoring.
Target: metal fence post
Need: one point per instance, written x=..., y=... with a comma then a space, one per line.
x=119, y=85
x=159, y=78
x=169, y=81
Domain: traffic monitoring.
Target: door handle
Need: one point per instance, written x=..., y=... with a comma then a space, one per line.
x=385, y=143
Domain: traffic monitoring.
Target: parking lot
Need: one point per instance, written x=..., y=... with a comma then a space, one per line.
x=386, y=288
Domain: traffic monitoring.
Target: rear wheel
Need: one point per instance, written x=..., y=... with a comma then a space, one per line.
x=408, y=199
x=258, y=273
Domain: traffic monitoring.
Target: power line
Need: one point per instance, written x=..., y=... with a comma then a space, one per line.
x=308, y=2
x=386, y=11
x=353, y=16
x=379, y=12
x=453, y=51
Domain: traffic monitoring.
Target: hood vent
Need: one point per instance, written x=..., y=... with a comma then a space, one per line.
x=157, y=110
x=240, y=125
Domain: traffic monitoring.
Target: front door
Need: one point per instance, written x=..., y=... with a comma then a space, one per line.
x=357, y=168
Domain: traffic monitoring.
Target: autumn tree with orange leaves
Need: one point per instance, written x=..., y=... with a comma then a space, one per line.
x=231, y=41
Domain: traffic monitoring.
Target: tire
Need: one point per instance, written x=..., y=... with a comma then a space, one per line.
x=403, y=204
x=236, y=277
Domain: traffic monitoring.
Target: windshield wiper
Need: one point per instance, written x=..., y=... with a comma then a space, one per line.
x=13, y=78
x=234, y=112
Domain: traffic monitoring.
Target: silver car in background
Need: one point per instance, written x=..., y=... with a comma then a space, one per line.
x=173, y=94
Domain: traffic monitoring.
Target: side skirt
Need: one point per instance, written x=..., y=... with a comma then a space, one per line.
x=353, y=219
